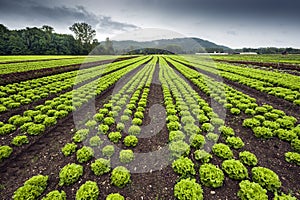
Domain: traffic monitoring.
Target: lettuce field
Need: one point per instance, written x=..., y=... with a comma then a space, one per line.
x=187, y=127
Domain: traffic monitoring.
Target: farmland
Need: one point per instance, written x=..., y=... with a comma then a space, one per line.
x=150, y=127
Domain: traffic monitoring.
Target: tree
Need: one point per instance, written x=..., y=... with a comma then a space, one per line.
x=83, y=32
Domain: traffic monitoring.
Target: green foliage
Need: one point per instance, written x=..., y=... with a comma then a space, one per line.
x=6, y=129
x=19, y=140
x=120, y=126
x=19, y=121
x=203, y=156
x=197, y=141
x=134, y=130
x=130, y=141
x=235, y=142
x=235, y=169
x=173, y=126
x=88, y=190
x=251, y=123
x=114, y=137
x=250, y=111
x=108, y=150
x=103, y=128
x=235, y=111
x=69, y=148
x=212, y=137
x=98, y=117
x=120, y=176
x=114, y=196
x=179, y=148
x=36, y=129
x=296, y=145
x=84, y=154
x=55, y=195
x=32, y=188
x=137, y=121
x=208, y=127
x=263, y=132
x=248, y=158
x=80, y=135
x=251, y=191
x=222, y=150
x=139, y=115
x=187, y=120
x=188, y=189
x=39, y=118
x=283, y=196
x=191, y=129
x=292, y=157
x=176, y=136
x=100, y=166
x=226, y=131
x=172, y=118
x=286, y=135
x=61, y=114
x=95, y=141
x=184, y=166
x=109, y=121
x=266, y=178
x=91, y=124
x=126, y=156
x=5, y=152
x=211, y=176
x=69, y=174
x=49, y=121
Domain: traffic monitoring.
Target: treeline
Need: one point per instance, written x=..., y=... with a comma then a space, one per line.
x=44, y=41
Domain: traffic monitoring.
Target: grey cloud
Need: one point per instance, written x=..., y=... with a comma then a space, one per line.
x=28, y=12
x=231, y=33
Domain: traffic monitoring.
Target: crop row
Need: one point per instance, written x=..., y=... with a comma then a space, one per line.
x=28, y=66
x=267, y=121
x=282, y=85
x=95, y=132
x=34, y=122
x=18, y=94
x=179, y=92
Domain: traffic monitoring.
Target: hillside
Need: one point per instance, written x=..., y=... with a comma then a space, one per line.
x=176, y=45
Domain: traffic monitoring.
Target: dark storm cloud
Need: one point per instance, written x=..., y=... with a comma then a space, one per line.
x=269, y=9
x=27, y=11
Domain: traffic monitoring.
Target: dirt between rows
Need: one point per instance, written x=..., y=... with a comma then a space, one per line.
x=158, y=179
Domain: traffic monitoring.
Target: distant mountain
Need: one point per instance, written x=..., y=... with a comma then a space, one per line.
x=176, y=45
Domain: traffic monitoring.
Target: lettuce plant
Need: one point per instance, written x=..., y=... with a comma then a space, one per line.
x=266, y=178
x=84, y=154
x=19, y=140
x=235, y=169
x=248, y=158
x=251, y=191
x=211, y=176
x=130, y=141
x=95, y=141
x=69, y=148
x=178, y=149
x=114, y=137
x=100, y=166
x=235, y=142
x=108, y=150
x=55, y=195
x=114, y=196
x=184, y=166
x=187, y=189
x=5, y=152
x=88, y=190
x=126, y=156
x=197, y=141
x=222, y=150
x=69, y=174
x=120, y=176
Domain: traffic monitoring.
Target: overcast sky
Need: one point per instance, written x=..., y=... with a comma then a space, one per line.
x=233, y=23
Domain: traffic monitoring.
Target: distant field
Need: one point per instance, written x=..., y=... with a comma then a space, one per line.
x=276, y=58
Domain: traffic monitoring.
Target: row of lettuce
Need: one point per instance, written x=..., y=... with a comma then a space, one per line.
x=36, y=121
x=265, y=121
x=7, y=68
x=117, y=121
x=23, y=93
x=282, y=85
x=181, y=102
